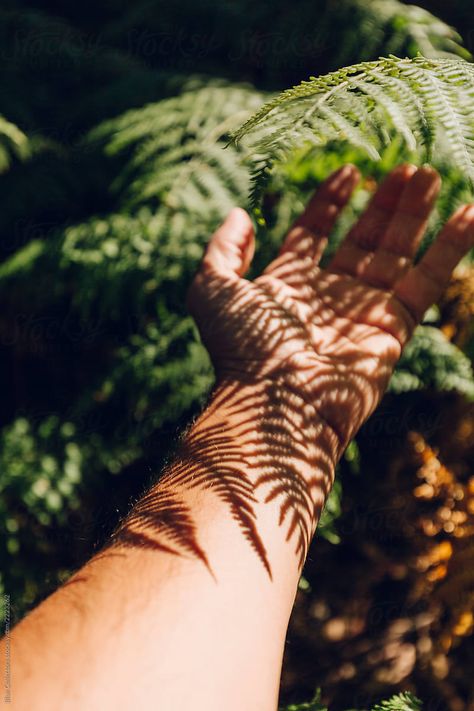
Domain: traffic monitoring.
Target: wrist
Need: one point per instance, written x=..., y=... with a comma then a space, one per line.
x=279, y=417
x=286, y=453
x=258, y=456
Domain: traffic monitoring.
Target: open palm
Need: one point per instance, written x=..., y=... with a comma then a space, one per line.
x=334, y=335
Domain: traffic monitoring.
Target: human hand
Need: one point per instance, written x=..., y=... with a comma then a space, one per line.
x=333, y=335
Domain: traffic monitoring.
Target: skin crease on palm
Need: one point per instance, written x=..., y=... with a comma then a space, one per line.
x=333, y=334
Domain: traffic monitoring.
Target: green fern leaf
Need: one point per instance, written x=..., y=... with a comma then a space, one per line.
x=400, y=702
x=176, y=150
x=431, y=361
x=424, y=101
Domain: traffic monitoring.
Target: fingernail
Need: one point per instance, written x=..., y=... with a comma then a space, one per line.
x=232, y=214
x=427, y=170
x=468, y=215
x=238, y=217
x=341, y=176
x=348, y=171
x=405, y=169
x=428, y=181
x=427, y=176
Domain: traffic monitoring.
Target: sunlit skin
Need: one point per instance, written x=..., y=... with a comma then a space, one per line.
x=188, y=605
x=344, y=325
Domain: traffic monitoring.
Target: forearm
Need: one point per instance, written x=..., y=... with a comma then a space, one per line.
x=190, y=602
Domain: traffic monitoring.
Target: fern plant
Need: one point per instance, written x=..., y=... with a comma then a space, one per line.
x=174, y=150
x=391, y=27
x=428, y=103
x=431, y=361
x=400, y=702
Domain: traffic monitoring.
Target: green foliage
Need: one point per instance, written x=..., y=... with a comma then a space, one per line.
x=400, y=702
x=314, y=705
x=424, y=102
x=330, y=514
x=431, y=361
x=391, y=27
x=127, y=176
x=42, y=470
x=56, y=477
x=174, y=148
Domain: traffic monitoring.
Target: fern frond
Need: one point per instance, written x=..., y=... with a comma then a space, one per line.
x=421, y=100
x=431, y=361
x=176, y=150
x=400, y=702
x=313, y=705
x=392, y=27
x=383, y=98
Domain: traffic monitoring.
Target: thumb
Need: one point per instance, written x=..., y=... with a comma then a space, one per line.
x=231, y=248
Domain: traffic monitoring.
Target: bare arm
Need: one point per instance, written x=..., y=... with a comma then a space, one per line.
x=188, y=605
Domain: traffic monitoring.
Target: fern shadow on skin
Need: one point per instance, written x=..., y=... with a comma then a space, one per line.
x=252, y=445
x=302, y=356
x=243, y=464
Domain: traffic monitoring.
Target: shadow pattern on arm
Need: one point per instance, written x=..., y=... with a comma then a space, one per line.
x=263, y=439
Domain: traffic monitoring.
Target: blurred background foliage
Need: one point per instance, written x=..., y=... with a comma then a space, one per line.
x=113, y=173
